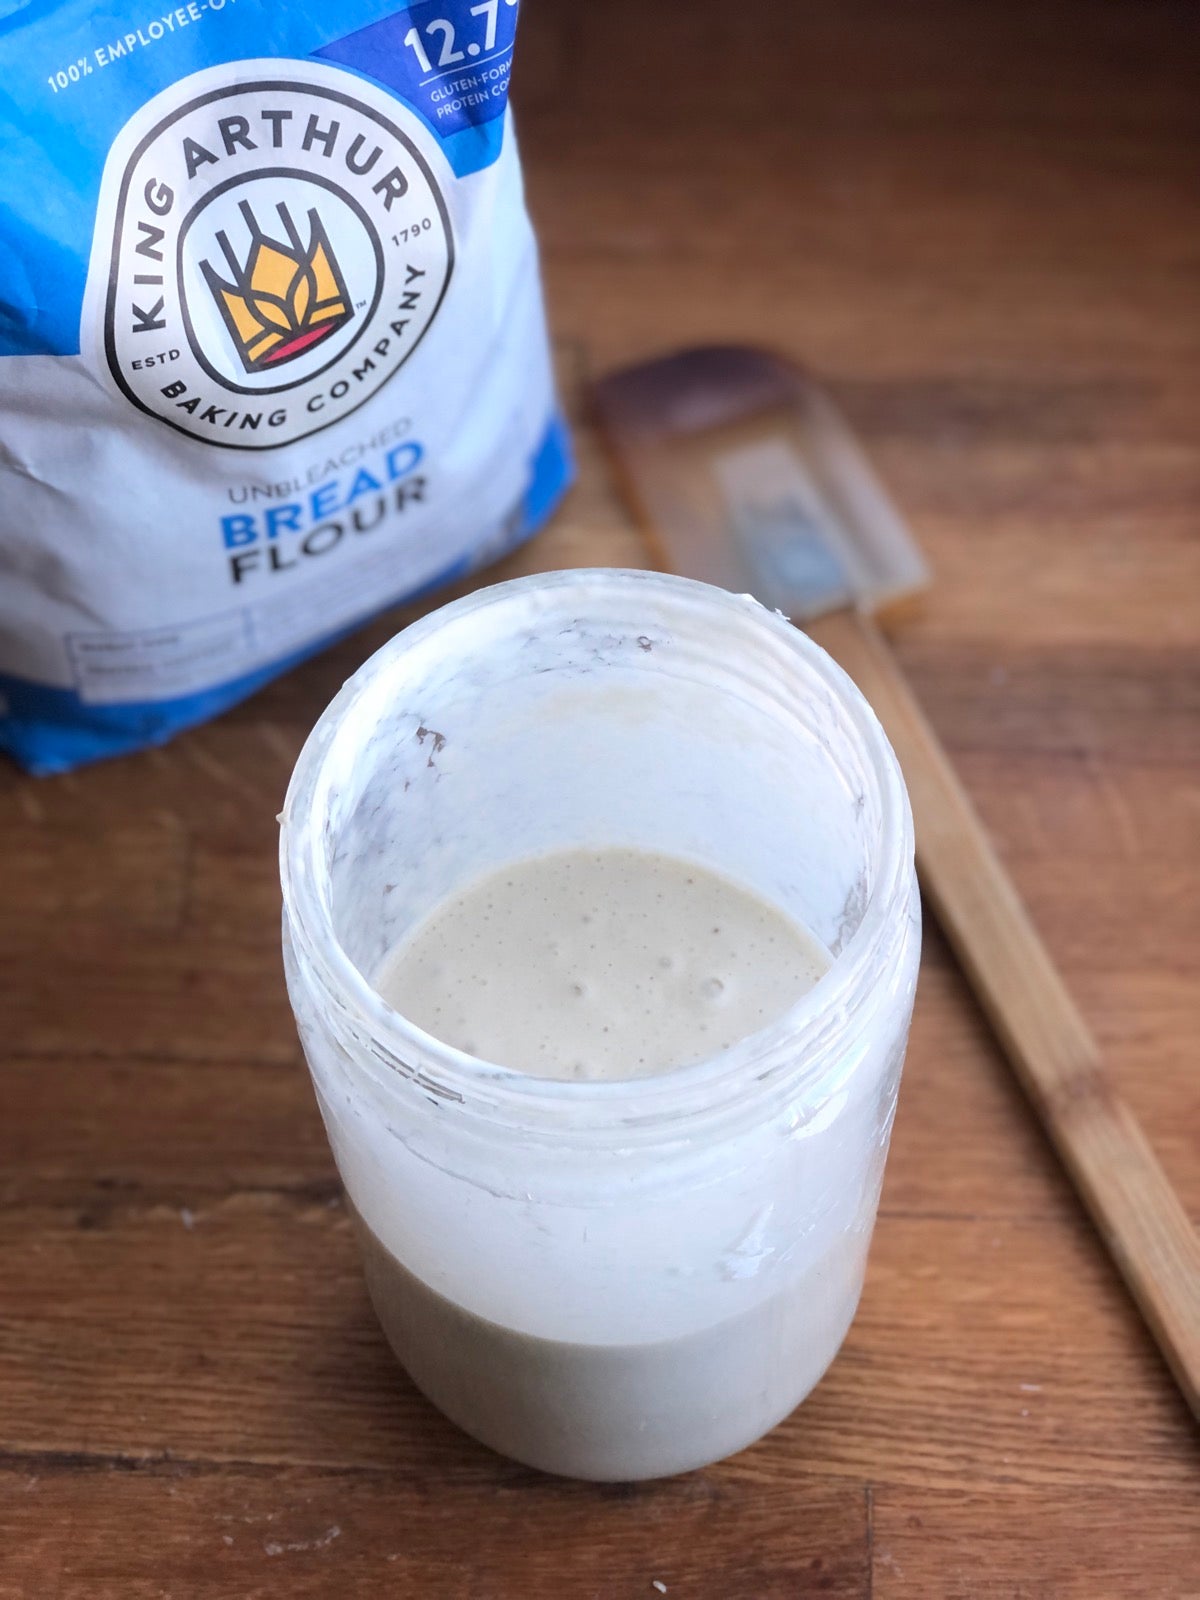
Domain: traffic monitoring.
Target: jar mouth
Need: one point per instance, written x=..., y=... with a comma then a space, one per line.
x=396, y=1050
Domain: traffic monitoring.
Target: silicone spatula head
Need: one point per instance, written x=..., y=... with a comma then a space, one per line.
x=746, y=476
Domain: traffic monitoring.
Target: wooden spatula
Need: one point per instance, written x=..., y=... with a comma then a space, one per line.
x=745, y=476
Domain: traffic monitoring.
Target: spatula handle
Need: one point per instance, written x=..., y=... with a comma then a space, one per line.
x=1046, y=1039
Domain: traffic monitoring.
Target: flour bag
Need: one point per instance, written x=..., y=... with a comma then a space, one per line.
x=272, y=349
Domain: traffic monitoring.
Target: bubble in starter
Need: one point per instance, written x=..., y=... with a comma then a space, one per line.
x=712, y=988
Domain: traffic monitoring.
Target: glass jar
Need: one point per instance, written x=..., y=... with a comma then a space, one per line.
x=609, y=1280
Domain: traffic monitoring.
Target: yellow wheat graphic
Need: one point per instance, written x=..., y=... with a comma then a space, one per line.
x=284, y=295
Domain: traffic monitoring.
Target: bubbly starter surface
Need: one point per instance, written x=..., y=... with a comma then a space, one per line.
x=608, y=963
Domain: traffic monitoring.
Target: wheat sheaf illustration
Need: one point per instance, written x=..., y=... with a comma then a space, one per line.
x=282, y=296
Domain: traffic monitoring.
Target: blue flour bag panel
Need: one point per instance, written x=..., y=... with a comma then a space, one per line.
x=272, y=347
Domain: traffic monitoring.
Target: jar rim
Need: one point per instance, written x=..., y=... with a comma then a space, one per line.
x=672, y=1102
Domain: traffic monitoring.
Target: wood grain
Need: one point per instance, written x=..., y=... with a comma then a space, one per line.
x=980, y=223
x=312, y=1535
x=1049, y=1546
x=1039, y=1026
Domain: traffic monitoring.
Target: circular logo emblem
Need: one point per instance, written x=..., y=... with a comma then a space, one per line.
x=279, y=248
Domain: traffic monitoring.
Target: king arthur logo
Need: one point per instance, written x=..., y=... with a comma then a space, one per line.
x=269, y=254
x=284, y=296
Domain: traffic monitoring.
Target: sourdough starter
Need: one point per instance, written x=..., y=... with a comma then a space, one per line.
x=600, y=964
x=591, y=1254
x=607, y=964
x=617, y=1411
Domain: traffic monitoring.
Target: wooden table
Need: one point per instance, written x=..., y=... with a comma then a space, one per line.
x=981, y=223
